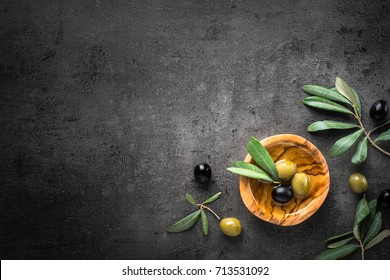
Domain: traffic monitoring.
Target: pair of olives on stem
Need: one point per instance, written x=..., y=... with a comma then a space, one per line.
x=293, y=183
x=229, y=226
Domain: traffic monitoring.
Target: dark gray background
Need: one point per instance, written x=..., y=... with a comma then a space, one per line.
x=106, y=107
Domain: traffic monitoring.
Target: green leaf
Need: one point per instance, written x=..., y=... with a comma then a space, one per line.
x=345, y=90
x=340, y=243
x=365, y=225
x=324, y=93
x=324, y=104
x=205, y=223
x=343, y=144
x=250, y=174
x=333, y=89
x=362, y=211
x=324, y=125
x=252, y=167
x=261, y=156
x=384, y=136
x=356, y=232
x=338, y=236
x=360, y=154
x=337, y=253
x=357, y=100
x=185, y=223
x=247, y=165
x=190, y=199
x=374, y=229
x=212, y=198
x=382, y=235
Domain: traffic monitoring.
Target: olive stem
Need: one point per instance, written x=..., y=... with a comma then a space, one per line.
x=362, y=248
x=359, y=119
x=375, y=128
x=273, y=182
x=209, y=209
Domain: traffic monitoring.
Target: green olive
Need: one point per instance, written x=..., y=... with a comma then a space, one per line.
x=230, y=226
x=286, y=169
x=300, y=184
x=357, y=183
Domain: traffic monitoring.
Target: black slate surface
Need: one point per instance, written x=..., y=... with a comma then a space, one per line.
x=106, y=107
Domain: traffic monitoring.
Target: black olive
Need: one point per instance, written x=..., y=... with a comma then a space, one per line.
x=282, y=194
x=379, y=110
x=384, y=199
x=202, y=173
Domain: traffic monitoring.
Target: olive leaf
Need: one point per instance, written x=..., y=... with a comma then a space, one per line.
x=354, y=96
x=324, y=104
x=384, y=136
x=261, y=156
x=360, y=154
x=324, y=125
x=382, y=235
x=212, y=198
x=357, y=101
x=345, y=90
x=190, y=199
x=343, y=144
x=337, y=253
x=335, y=91
x=333, y=238
x=205, y=223
x=368, y=220
x=251, y=173
x=340, y=243
x=246, y=165
x=362, y=211
x=185, y=223
x=356, y=232
x=249, y=166
x=324, y=93
x=374, y=229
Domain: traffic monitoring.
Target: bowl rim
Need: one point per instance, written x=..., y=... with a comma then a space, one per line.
x=244, y=188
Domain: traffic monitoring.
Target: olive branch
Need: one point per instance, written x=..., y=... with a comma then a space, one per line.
x=344, y=99
x=366, y=231
x=190, y=220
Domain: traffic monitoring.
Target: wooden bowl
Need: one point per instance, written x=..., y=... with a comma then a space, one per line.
x=257, y=195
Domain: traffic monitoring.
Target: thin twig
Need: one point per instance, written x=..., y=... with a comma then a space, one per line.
x=375, y=128
x=362, y=248
x=368, y=133
x=209, y=209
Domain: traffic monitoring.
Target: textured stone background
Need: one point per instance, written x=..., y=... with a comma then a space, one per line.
x=106, y=107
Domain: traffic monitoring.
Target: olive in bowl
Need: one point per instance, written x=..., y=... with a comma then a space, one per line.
x=300, y=184
x=286, y=169
x=282, y=194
